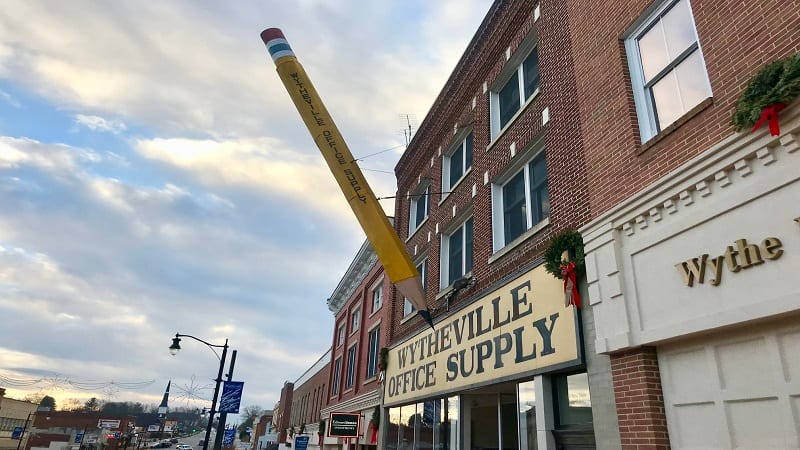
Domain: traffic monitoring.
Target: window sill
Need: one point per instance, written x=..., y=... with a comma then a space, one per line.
x=408, y=317
x=370, y=380
x=674, y=126
x=446, y=290
x=413, y=232
x=452, y=188
x=513, y=119
x=519, y=240
x=375, y=311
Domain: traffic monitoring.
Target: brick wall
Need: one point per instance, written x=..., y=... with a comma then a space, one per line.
x=640, y=403
x=736, y=39
x=309, y=398
x=361, y=299
x=463, y=103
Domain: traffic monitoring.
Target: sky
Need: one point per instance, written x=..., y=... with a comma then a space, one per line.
x=155, y=178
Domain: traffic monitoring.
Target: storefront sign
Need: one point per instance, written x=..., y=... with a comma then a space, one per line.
x=301, y=443
x=344, y=424
x=521, y=328
x=741, y=256
x=108, y=424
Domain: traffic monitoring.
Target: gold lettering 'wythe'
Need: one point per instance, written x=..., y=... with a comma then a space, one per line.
x=741, y=255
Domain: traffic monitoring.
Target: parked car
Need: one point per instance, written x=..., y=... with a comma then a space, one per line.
x=185, y=447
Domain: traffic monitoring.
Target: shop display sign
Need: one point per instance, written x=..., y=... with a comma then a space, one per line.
x=108, y=424
x=344, y=424
x=522, y=328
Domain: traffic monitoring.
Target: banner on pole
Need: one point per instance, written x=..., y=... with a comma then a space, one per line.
x=301, y=442
x=228, y=437
x=231, y=397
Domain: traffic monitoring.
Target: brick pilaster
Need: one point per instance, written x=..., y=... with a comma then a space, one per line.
x=640, y=402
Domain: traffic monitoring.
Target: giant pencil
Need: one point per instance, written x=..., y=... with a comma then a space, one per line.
x=380, y=233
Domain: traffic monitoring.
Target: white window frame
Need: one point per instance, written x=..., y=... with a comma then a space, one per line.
x=461, y=140
x=513, y=68
x=444, y=267
x=645, y=108
x=350, y=374
x=355, y=320
x=336, y=379
x=377, y=288
x=422, y=268
x=341, y=333
x=522, y=164
x=373, y=352
x=422, y=194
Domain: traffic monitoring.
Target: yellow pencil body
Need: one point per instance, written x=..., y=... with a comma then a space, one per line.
x=379, y=231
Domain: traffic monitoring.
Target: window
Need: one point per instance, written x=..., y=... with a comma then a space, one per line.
x=520, y=202
x=377, y=297
x=351, y=367
x=520, y=82
x=420, y=208
x=337, y=368
x=355, y=319
x=340, y=335
x=667, y=68
x=457, y=253
x=422, y=268
x=457, y=163
x=374, y=350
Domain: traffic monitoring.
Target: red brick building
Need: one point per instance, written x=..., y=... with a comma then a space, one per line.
x=495, y=170
x=362, y=307
x=308, y=399
x=700, y=345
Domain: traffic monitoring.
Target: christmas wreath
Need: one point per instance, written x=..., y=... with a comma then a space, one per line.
x=572, y=243
x=768, y=92
x=566, y=241
x=383, y=359
x=375, y=424
x=375, y=421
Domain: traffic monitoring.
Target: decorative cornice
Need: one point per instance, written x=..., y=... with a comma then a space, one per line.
x=361, y=403
x=359, y=269
x=733, y=160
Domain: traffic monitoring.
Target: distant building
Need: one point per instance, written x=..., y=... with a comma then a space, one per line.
x=15, y=415
x=70, y=430
x=262, y=426
x=308, y=400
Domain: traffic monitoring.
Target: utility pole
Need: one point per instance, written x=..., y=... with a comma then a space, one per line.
x=223, y=416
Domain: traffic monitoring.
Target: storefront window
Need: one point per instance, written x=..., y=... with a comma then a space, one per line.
x=526, y=405
x=406, y=433
x=573, y=403
x=431, y=425
x=393, y=429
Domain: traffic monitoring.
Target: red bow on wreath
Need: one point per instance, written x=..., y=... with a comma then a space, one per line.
x=571, y=295
x=770, y=115
x=374, y=437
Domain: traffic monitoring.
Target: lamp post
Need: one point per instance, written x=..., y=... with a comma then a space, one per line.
x=175, y=348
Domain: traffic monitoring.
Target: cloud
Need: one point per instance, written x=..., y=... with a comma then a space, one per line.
x=6, y=97
x=200, y=204
x=97, y=123
x=84, y=251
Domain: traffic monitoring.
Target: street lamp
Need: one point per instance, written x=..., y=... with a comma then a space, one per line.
x=176, y=347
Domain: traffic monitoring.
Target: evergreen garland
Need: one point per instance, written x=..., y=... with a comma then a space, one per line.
x=383, y=359
x=375, y=421
x=777, y=82
x=568, y=240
